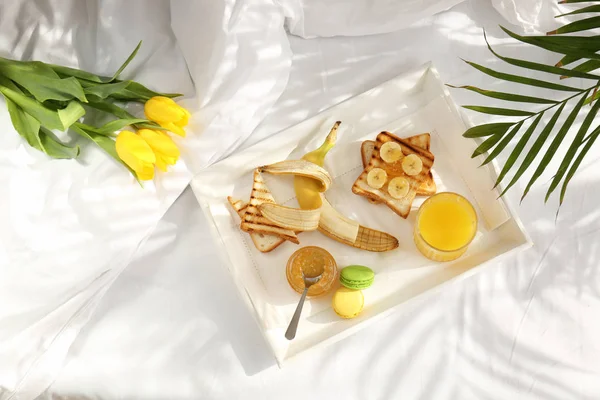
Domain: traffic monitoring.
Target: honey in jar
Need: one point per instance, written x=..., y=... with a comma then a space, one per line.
x=310, y=260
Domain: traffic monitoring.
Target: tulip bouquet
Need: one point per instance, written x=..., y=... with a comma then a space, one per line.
x=42, y=98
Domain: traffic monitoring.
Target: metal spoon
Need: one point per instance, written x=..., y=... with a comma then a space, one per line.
x=308, y=282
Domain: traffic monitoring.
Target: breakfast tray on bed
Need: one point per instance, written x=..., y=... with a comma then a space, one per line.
x=407, y=105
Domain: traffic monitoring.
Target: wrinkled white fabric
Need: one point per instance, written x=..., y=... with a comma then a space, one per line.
x=325, y=18
x=68, y=228
x=534, y=16
x=525, y=328
x=172, y=326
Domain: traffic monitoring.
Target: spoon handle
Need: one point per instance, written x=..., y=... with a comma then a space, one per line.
x=293, y=326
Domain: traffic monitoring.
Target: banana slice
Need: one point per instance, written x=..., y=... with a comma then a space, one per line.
x=398, y=187
x=412, y=165
x=390, y=152
x=376, y=178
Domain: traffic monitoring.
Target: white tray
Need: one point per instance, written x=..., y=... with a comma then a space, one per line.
x=409, y=104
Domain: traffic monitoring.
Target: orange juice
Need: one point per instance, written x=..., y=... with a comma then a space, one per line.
x=446, y=224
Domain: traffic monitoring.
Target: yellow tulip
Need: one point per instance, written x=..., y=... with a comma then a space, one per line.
x=136, y=153
x=168, y=114
x=162, y=145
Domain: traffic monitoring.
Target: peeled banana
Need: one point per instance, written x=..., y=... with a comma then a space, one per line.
x=307, y=190
x=291, y=218
x=301, y=169
x=331, y=222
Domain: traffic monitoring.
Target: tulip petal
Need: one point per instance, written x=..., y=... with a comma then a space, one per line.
x=186, y=118
x=164, y=148
x=160, y=108
x=146, y=173
x=170, y=126
x=135, y=152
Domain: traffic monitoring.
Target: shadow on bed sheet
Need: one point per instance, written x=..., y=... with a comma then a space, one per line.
x=459, y=344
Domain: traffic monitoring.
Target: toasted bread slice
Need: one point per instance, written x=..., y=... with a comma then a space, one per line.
x=428, y=187
x=399, y=206
x=264, y=243
x=254, y=221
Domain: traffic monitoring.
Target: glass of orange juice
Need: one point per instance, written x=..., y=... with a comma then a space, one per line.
x=446, y=225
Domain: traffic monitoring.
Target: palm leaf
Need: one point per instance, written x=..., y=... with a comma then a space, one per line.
x=584, y=52
x=581, y=46
x=578, y=26
x=593, y=97
x=521, y=79
x=555, y=143
x=588, y=9
x=576, y=1
x=566, y=60
x=488, y=129
x=542, y=67
x=505, y=96
x=499, y=111
x=533, y=152
x=498, y=149
x=589, y=65
x=487, y=144
x=592, y=138
x=564, y=165
x=514, y=155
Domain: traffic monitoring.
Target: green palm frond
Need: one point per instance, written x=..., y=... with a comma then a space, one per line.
x=534, y=145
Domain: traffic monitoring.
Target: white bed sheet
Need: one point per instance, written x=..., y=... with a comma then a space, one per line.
x=172, y=327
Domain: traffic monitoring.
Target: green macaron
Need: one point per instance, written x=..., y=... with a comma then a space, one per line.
x=357, y=277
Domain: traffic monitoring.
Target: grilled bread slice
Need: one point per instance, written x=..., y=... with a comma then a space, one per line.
x=400, y=206
x=428, y=187
x=254, y=222
x=264, y=243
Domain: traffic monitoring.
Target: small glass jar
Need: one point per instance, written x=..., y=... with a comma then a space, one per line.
x=446, y=224
x=308, y=258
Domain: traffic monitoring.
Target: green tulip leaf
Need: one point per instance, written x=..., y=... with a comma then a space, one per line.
x=126, y=63
x=42, y=86
x=104, y=142
x=104, y=90
x=54, y=147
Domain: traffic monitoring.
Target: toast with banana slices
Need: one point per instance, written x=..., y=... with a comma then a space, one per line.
x=263, y=242
x=428, y=187
x=253, y=220
x=395, y=172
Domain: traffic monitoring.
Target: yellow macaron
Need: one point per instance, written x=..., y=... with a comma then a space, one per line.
x=348, y=303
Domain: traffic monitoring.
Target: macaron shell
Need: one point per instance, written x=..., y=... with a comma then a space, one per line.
x=348, y=303
x=356, y=284
x=357, y=277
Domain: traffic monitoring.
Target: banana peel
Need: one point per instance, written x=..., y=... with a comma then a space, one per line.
x=311, y=180
x=347, y=231
x=331, y=222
